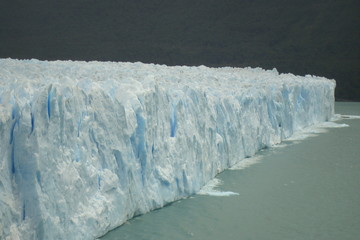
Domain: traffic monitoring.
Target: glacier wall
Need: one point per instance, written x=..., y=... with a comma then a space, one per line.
x=84, y=146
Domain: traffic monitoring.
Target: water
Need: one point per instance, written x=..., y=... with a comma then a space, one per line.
x=306, y=190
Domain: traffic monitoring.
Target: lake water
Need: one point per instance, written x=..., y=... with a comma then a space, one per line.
x=309, y=189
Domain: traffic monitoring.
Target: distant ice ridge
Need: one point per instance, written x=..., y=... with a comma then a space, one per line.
x=84, y=146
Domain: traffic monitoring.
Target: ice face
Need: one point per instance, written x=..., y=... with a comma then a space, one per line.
x=87, y=145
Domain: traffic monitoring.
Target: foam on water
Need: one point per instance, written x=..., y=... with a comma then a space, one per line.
x=315, y=130
x=350, y=117
x=247, y=162
x=210, y=189
x=298, y=136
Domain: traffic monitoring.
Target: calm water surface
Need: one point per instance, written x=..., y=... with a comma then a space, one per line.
x=306, y=190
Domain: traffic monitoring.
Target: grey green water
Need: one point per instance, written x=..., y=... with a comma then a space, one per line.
x=306, y=190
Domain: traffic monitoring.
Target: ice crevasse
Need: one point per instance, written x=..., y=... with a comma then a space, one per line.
x=85, y=146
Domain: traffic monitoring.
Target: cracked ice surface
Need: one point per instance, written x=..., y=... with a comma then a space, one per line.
x=84, y=146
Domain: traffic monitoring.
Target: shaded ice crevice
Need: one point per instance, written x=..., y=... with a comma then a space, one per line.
x=86, y=146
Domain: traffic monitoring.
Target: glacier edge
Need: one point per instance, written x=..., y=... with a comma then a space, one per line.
x=87, y=145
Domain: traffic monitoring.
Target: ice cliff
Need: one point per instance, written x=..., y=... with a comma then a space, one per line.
x=84, y=146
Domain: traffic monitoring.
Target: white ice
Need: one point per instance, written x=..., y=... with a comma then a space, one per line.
x=85, y=146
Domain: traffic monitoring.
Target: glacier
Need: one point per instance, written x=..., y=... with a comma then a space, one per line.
x=85, y=146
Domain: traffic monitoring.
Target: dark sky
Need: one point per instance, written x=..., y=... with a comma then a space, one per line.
x=302, y=37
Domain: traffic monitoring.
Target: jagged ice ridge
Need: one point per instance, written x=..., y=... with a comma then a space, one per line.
x=85, y=146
